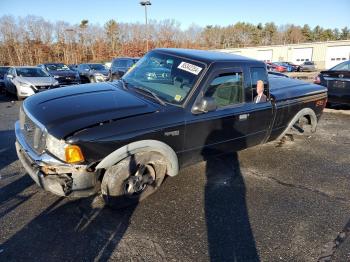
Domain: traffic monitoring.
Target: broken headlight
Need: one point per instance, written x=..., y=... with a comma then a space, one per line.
x=56, y=146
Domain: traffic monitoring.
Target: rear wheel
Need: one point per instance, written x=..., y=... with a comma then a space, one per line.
x=133, y=179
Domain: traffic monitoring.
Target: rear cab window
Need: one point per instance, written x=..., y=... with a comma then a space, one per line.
x=258, y=76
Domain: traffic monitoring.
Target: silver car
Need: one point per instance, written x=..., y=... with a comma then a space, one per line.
x=307, y=66
x=25, y=81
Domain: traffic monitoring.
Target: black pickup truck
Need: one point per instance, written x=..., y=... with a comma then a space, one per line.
x=174, y=108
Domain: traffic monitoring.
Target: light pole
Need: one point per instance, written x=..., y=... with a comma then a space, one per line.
x=71, y=31
x=145, y=4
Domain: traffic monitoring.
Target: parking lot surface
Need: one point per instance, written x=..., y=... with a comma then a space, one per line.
x=275, y=202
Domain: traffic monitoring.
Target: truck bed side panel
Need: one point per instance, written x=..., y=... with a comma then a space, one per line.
x=291, y=96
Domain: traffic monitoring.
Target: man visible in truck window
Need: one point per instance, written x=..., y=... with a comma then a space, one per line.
x=261, y=97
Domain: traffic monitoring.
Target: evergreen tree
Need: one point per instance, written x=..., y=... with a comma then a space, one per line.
x=307, y=33
x=345, y=33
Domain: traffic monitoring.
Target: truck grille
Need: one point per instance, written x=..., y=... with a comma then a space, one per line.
x=33, y=134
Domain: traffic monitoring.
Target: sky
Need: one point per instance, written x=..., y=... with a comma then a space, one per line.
x=205, y=12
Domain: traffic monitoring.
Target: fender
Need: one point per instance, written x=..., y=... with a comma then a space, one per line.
x=141, y=146
x=304, y=112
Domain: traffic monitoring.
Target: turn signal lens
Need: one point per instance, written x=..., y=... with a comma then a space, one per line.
x=73, y=154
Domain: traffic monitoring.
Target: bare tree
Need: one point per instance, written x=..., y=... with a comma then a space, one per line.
x=32, y=40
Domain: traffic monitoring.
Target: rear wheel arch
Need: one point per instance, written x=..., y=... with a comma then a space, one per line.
x=143, y=146
x=307, y=113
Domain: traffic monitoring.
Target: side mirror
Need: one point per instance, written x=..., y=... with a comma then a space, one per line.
x=205, y=105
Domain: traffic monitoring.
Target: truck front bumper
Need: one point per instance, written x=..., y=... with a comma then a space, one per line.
x=53, y=175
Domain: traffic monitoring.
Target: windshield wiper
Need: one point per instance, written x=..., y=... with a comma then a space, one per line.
x=145, y=90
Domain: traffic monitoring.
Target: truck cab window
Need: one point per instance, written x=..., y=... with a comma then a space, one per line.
x=259, y=84
x=226, y=89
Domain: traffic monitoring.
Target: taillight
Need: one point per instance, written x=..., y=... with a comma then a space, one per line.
x=317, y=80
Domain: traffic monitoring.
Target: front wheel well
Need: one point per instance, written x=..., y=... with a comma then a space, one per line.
x=143, y=146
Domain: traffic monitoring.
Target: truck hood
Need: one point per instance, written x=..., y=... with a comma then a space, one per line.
x=64, y=111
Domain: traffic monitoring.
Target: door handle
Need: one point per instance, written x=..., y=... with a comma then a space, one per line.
x=243, y=117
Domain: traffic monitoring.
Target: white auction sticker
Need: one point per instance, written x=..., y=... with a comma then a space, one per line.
x=190, y=68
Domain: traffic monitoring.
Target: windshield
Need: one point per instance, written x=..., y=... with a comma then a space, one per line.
x=97, y=67
x=345, y=66
x=170, y=78
x=31, y=72
x=57, y=67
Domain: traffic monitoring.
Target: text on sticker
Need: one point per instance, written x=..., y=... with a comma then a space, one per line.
x=190, y=68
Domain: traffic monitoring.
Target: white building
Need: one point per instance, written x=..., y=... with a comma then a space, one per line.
x=324, y=54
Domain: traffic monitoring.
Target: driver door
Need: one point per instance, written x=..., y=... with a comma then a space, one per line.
x=233, y=125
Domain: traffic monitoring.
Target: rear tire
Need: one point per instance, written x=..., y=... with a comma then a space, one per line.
x=133, y=179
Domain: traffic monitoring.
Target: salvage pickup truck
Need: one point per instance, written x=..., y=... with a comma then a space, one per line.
x=175, y=107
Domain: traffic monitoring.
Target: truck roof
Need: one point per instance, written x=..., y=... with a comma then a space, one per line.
x=205, y=55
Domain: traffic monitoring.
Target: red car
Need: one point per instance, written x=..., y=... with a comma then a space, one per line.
x=275, y=68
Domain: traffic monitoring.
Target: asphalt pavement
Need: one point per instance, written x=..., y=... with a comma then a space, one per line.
x=275, y=202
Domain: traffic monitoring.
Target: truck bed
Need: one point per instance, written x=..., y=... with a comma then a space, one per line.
x=283, y=88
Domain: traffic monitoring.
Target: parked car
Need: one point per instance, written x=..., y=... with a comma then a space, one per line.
x=62, y=73
x=92, y=73
x=295, y=67
x=73, y=67
x=307, y=66
x=3, y=71
x=275, y=67
x=123, y=138
x=337, y=80
x=120, y=66
x=288, y=67
x=25, y=81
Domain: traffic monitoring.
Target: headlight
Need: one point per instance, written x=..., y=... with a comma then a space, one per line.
x=98, y=74
x=62, y=150
x=56, y=76
x=56, y=146
x=55, y=83
x=23, y=84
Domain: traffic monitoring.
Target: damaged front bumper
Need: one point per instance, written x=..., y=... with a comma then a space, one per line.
x=52, y=174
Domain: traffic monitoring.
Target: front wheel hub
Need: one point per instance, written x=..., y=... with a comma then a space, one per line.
x=138, y=182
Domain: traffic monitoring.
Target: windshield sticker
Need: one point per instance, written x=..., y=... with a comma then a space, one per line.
x=190, y=68
x=177, y=98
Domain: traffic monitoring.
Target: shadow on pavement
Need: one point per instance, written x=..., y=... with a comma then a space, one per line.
x=7, y=148
x=230, y=236
x=71, y=230
x=7, y=98
x=10, y=194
